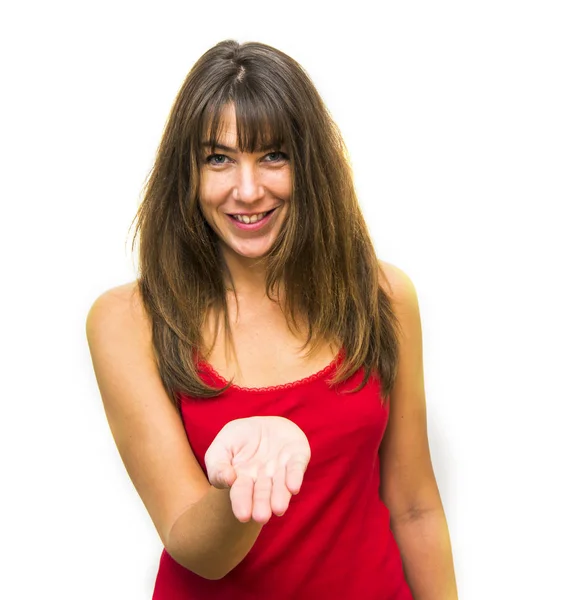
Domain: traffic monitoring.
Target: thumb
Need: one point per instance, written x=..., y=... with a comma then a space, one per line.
x=222, y=475
x=218, y=461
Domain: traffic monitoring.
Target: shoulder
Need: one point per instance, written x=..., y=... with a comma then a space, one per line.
x=398, y=285
x=118, y=308
x=118, y=297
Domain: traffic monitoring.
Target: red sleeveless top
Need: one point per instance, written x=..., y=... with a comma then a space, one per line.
x=335, y=540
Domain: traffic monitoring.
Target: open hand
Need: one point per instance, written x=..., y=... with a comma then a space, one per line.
x=262, y=460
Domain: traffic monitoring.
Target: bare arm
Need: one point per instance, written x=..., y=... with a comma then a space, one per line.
x=408, y=485
x=194, y=520
x=208, y=534
x=423, y=539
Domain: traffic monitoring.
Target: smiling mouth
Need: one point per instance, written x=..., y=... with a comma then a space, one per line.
x=252, y=219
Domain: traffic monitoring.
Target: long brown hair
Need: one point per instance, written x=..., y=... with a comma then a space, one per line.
x=323, y=256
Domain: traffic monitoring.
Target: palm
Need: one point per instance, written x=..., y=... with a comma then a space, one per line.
x=263, y=461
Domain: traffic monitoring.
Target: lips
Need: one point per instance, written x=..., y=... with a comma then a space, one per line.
x=253, y=226
x=259, y=212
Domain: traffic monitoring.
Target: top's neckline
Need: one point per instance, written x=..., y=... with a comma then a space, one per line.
x=283, y=386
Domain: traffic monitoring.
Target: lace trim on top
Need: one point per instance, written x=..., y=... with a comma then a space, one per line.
x=272, y=388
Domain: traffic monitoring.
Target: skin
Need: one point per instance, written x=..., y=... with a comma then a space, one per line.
x=408, y=485
x=252, y=183
x=244, y=183
x=262, y=460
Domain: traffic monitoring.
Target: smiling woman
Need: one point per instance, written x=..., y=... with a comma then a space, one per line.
x=244, y=196
x=266, y=352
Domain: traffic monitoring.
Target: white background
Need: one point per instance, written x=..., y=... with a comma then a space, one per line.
x=452, y=115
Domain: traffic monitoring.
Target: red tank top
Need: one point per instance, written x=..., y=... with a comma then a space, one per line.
x=335, y=540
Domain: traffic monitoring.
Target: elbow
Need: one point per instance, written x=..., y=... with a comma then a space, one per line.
x=211, y=575
x=211, y=572
x=203, y=567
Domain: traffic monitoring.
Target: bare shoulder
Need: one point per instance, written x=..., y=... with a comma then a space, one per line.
x=397, y=284
x=117, y=321
x=120, y=305
x=119, y=296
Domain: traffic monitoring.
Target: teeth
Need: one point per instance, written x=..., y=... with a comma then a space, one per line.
x=252, y=219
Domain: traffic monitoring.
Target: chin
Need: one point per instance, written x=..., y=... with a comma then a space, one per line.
x=250, y=250
x=251, y=253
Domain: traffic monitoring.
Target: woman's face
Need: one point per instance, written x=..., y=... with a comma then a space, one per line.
x=246, y=185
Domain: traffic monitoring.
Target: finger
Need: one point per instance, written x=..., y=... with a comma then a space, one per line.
x=296, y=468
x=262, y=499
x=241, y=498
x=280, y=494
x=218, y=462
x=222, y=475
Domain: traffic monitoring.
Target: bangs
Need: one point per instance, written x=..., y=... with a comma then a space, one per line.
x=262, y=122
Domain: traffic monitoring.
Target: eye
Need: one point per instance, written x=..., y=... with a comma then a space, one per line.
x=277, y=156
x=216, y=159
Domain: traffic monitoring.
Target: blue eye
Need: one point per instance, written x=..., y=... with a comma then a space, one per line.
x=210, y=158
x=281, y=156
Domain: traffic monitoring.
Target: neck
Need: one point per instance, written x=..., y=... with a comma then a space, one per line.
x=248, y=275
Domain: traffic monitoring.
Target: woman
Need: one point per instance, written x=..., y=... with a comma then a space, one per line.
x=263, y=378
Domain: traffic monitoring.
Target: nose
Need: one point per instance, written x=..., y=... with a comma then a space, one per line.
x=248, y=187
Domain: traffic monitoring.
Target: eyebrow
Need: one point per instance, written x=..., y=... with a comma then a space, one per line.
x=262, y=148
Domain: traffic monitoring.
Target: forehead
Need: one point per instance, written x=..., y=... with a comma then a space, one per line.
x=251, y=130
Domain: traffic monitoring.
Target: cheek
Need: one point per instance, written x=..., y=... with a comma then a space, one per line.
x=209, y=215
x=206, y=201
x=281, y=183
x=214, y=189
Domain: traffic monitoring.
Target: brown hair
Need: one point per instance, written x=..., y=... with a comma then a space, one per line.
x=323, y=255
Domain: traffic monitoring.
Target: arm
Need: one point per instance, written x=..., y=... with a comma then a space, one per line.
x=408, y=486
x=208, y=533
x=194, y=520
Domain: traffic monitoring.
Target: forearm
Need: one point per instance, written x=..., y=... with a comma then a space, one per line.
x=208, y=539
x=427, y=557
